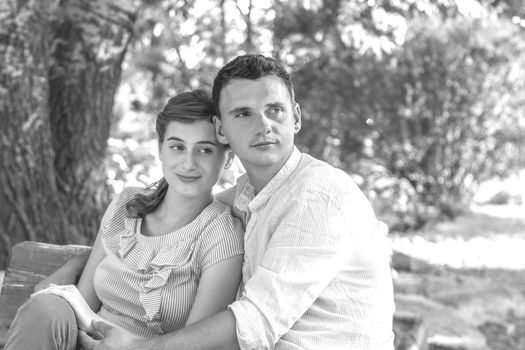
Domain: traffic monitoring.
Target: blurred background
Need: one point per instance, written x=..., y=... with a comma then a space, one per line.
x=421, y=101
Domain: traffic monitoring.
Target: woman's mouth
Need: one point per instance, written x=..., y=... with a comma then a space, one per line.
x=187, y=179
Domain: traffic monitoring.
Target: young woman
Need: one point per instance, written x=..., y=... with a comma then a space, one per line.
x=164, y=257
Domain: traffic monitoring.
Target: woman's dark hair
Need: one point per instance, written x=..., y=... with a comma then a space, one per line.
x=187, y=107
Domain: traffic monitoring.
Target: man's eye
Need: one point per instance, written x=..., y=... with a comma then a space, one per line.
x=276, y=110
x=242, y=115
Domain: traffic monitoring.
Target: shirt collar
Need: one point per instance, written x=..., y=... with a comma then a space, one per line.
x=247, y=201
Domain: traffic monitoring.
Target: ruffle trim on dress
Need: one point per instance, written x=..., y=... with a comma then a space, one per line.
x=158, y=266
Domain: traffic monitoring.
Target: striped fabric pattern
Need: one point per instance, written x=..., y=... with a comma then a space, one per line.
x=316, y=269
x=147, y=284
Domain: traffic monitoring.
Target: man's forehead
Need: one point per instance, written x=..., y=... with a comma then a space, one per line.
x=245, y=90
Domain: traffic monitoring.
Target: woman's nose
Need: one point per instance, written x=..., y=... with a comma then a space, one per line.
x=188, y=162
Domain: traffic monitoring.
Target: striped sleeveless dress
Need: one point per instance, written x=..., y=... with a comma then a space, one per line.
x=147, y=284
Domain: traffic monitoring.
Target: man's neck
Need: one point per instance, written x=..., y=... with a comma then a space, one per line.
x=260, y=176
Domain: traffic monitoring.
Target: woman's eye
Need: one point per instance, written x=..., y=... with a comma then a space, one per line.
x=177, y=147
x=205, y=151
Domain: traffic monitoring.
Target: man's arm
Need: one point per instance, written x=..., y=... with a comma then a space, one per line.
x=69, y=273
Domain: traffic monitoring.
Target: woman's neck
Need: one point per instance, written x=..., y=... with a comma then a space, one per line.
x=176, y=211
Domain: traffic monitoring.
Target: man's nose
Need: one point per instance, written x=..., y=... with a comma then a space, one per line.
x=264, y=124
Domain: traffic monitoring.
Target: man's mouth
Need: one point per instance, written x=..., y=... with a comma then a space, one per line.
x=186, y=178
x=263, y=144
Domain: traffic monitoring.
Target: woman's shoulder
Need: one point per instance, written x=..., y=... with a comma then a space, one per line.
x=217, y=210
x=219, y=218
x=222, y=236
x=130, y=192
x=226, y=196
x=121, y=199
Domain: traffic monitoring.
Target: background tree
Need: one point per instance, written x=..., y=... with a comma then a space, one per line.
x=416, y=99
x=60, y=67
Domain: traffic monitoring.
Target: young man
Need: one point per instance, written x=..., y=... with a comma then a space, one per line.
x=315, y=273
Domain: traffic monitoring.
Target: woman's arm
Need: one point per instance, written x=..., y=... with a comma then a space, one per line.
x=82, y=297
x=217, y=288
x=85, y=284
x=68, y=273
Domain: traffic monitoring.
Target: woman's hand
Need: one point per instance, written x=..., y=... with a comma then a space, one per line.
x=111, y=337
x=85, y=316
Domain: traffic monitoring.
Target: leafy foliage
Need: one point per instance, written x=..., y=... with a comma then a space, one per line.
x=419, y=99
x=439, y=114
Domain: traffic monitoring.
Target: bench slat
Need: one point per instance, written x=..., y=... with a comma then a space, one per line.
x=29, y=263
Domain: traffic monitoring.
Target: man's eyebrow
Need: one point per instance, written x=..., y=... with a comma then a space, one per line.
x=276, y=104
x=238, y=110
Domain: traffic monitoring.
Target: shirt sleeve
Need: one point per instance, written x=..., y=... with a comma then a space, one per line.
x=310, y=246
x=222, y=239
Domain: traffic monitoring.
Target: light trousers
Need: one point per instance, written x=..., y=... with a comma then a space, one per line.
x=44, y=322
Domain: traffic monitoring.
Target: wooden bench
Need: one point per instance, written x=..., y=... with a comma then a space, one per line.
x=29, y=263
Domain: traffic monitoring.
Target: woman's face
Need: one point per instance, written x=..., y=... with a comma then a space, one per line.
x=192, y=158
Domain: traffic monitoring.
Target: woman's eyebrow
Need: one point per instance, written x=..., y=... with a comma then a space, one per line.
x=205, y=142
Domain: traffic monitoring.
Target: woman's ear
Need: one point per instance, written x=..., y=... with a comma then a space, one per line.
x=219, y=133
x=160, y=149
x=229, y=159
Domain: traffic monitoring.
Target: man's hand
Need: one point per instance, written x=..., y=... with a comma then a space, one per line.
x=110, y=338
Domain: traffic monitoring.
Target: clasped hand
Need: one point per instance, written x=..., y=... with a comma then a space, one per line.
x=95, y=333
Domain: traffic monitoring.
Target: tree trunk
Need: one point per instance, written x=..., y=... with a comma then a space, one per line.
x=60, y=66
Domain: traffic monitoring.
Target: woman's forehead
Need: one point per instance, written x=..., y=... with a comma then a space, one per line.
x=198, y=130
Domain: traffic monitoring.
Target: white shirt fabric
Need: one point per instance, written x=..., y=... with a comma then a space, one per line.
x=316, y=269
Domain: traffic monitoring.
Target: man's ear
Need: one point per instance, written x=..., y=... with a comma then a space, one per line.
x=297, y=117
x=219, y=133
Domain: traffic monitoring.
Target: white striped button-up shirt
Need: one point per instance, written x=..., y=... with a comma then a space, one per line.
x=316, y=272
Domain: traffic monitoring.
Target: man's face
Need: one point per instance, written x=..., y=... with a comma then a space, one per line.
x=259, y=121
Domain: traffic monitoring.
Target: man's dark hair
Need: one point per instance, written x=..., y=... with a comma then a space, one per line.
x=249, y=67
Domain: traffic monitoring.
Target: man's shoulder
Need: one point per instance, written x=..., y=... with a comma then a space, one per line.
x=315, y=172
